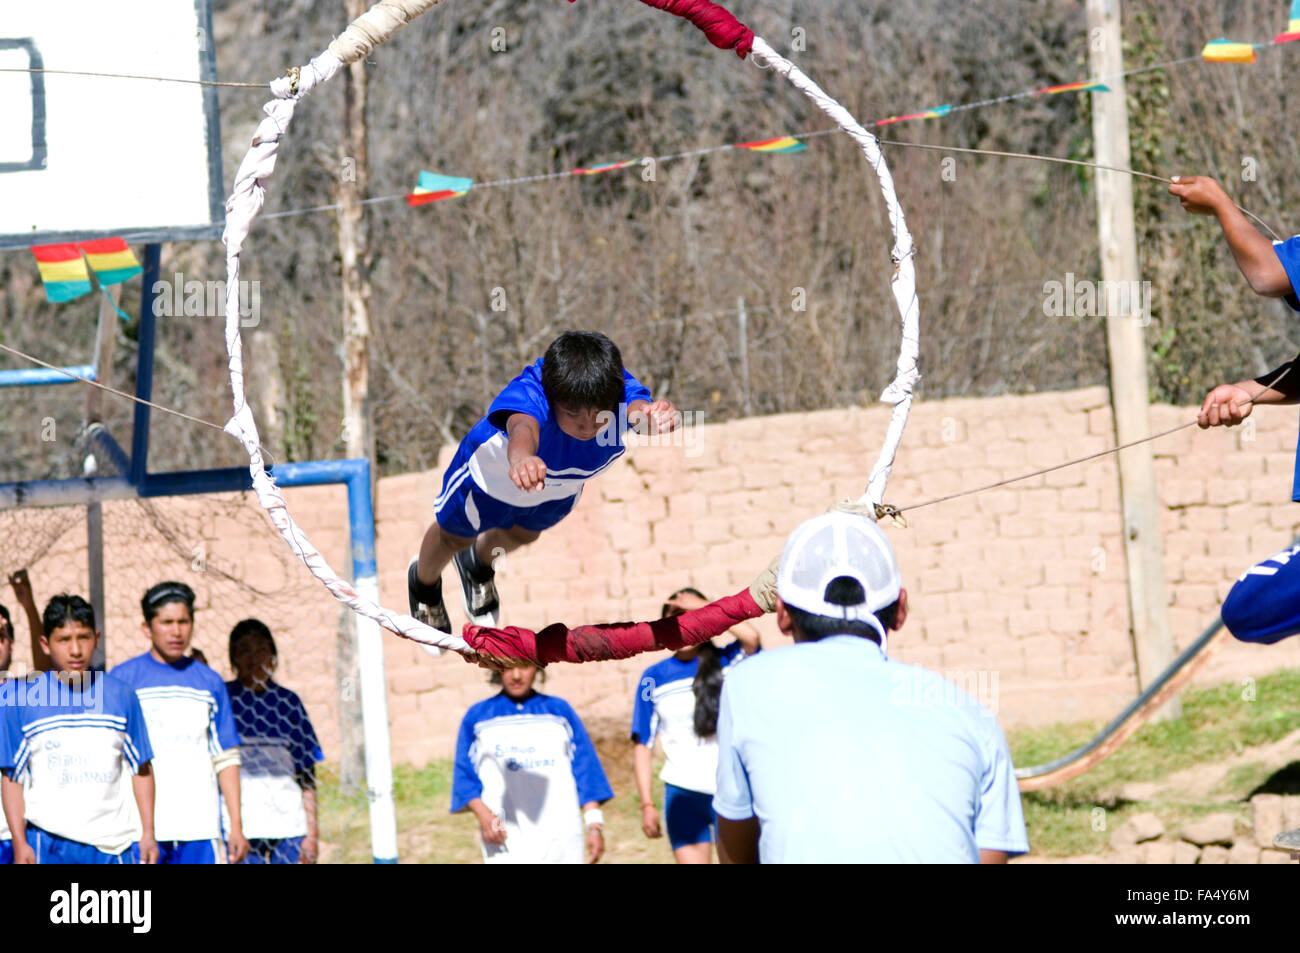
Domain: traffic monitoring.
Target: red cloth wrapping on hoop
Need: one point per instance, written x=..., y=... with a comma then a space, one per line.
x=613, y=640
x=722, y=29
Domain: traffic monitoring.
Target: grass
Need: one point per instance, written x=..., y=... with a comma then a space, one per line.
x=1219, y=722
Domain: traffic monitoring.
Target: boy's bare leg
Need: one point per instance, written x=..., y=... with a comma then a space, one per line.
x=497, y=542
x=436, y=551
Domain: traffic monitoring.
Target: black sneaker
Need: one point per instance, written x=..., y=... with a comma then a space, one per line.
x=426, y=600
x=477, y=589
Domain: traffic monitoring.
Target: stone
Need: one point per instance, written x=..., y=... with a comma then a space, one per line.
x=1243, y=852
x=1158, y=852
x=1214, y=854
x=1266, y=810
x=1138, y=828
x=1211, y=829
x=1185, y=853
x=1277, y=857
x=1132, y=854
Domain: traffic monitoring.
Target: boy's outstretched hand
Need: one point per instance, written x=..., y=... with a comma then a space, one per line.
x=1225, y=406
x=1200, y=194
x=528, y=473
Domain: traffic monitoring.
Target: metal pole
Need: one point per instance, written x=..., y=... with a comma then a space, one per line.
x=144, y=364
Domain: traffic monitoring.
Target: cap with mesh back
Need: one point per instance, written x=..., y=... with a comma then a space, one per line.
x=834, y=545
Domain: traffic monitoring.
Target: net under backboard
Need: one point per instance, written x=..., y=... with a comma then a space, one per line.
x=89, y=156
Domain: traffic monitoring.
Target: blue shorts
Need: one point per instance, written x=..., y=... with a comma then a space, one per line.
x=53, y=849
x=188, y=851
x=689, y=816
x=463, y=509
x=1264, y=605
x=283, y=851
x=6, y=852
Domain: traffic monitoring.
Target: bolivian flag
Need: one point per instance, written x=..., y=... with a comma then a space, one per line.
x=782, y=144
x=433, y=187
x=111, y=260
x=63, y=271
x=1225, y=51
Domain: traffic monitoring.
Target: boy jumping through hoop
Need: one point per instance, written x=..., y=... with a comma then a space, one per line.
x=521, y=469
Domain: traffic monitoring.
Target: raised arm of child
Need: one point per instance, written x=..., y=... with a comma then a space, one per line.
x=1202, y=195
x=142, y=786
x=527, y=469
x=652, y=417
x=23, y=593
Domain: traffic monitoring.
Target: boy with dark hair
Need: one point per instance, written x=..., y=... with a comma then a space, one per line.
x=278, y=753
x=521, y=469
x=66, y=735
x=188, y=712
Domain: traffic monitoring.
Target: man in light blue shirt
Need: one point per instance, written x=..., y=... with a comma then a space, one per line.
x=829, y=752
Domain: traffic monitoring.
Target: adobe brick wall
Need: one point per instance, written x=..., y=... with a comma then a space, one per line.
x=1025, y=581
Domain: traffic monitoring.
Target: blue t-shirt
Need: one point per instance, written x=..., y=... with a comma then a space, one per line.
x=665, y=705
x=569, y=462
x=187, y=709
x=1288, y=253
x=847, y=757
x=533, y=765
x=67, y=744
x=277, y=746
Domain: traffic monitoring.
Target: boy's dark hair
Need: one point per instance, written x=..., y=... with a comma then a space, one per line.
x=846, y=591
x=495, y=677
x=4, y=611
x=65, y=608
x=247, y=629
x=157, y=596
x=583, y=369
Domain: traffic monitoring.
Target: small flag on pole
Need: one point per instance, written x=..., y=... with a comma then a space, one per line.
x=433, y=187
x=63, y=271
x=1225, y=51
x=781, y=144
x=111, y=260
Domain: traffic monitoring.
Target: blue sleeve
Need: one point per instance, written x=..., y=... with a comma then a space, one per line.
x=633, y=389
x=11, y=732
x=733, y=800
x=999, y=818
x=137, y=749
x=306, y=749
x=523, y=395
x=223, y=720
x=1288, y=253
x=643, y=711
x=465, y=783
x=588, y=775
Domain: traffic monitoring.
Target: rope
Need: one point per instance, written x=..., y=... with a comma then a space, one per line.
x=160, y=79
x=903, y=282
x=898, y=511
x=1088, y=165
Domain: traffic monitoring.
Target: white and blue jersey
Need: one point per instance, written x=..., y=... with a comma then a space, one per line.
x=845, y=756
x=477, y=492
x=533, y=765
x=665, y=708
x=277, y=745
x=67, y=744
x=188, y=712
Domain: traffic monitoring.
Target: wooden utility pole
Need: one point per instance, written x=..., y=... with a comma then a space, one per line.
x=105, y=332
x=1153, y=645
x=352, y=184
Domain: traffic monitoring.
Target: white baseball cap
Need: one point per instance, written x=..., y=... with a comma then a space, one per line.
x=839, y=544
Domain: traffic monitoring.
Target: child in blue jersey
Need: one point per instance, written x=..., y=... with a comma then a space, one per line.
x=677, y=701
x=521, y=469
x=66, y=735
x=6, y=660
x=1264, y=605
x=196, y=748
x=278, y=754
x=524, y=764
